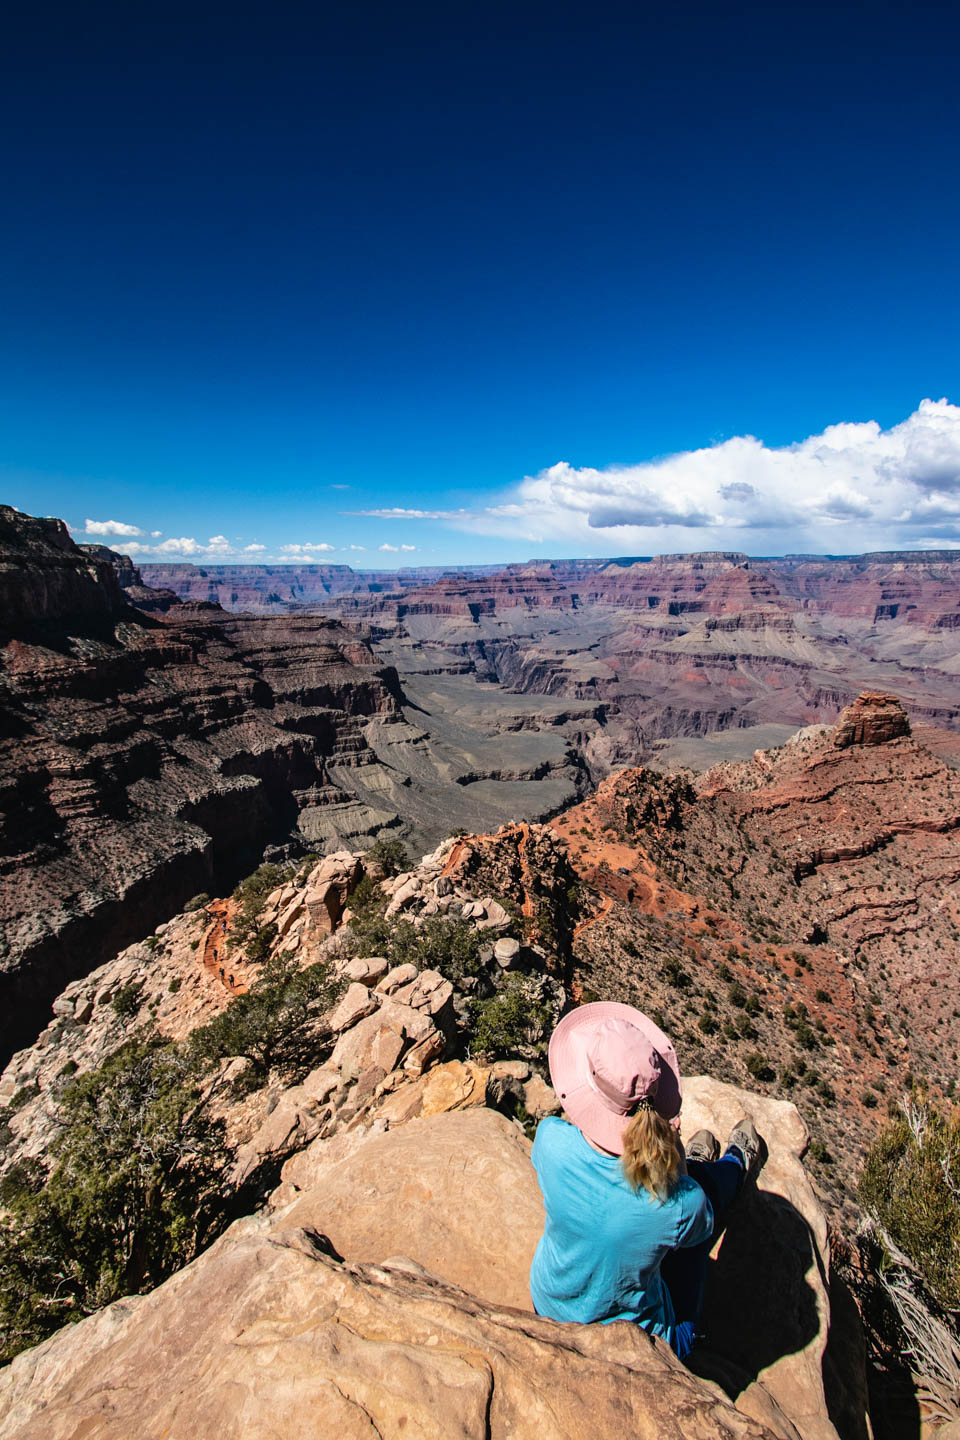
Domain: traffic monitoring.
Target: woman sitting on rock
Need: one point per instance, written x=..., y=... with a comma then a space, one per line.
x=630, y=1220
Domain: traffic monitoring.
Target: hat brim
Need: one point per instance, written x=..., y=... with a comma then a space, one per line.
x=570, y=1071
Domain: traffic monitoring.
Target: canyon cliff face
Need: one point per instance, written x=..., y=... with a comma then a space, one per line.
x=147, y=759
x=278, y=589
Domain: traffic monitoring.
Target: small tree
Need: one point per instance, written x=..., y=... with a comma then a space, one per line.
x=135, y=1192
x=267, y=1024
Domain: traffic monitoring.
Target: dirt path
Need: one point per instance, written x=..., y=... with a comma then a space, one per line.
x=606, y=905
x=214, y=953
x=527, y=908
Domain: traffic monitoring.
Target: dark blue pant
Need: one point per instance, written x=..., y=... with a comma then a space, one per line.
x=685, y=1271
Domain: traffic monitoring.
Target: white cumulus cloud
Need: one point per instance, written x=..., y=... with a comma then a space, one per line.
x=852, y=486
x=394, y=548
x=307, y=548
x=110, y=527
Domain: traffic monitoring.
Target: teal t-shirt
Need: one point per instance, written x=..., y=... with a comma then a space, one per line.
x=603, y=1242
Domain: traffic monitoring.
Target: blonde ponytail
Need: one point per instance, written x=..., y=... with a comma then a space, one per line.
x=650, y=1154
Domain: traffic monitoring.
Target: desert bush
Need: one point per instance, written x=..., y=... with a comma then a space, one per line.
x=251, y=896
x=910, y=1189
x=513, y=1020
x=134, y=1193
x=127, y=999
x=911, y=1183
x=759, y=1067
x=389, y=856
x=267, y=1025
x=197, y=902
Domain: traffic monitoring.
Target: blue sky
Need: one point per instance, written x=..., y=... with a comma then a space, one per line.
x=485, y=282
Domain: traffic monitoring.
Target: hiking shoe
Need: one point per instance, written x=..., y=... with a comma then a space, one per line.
x=744, y=1139
x=703, y=1146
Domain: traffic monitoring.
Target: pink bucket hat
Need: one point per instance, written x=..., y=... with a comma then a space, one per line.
x=606, y=1058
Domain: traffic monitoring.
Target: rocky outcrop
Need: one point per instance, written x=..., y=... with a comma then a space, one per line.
x=271, y=1330
x=872, y=719
x=47, y=580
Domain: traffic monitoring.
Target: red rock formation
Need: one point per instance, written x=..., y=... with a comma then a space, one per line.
x=872, y=719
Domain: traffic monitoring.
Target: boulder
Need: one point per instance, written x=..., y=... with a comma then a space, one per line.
x=770, y=1332
x=505, y=952
x=352, y=1007
x=399, y=975
x=292, y=1124
x=403, y=896
x=496, y=916
x=382, y=1038
x=539, y=1098
x=365, y=972
x=374, y=1041
x=429, y=992
x=267, y=1334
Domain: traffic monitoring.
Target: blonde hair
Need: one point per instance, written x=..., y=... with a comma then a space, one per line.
x=650, y=1154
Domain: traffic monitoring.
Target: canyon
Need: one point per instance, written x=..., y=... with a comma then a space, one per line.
x=673, y=647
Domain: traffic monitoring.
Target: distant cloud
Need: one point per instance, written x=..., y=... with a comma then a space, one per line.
x=408, y=547
x=111, y=527
x=852, y=486
x=399, y=513
x=358, y=547
x=338, y=487
x=394, y=548
x=248, y=549
x=307, y=548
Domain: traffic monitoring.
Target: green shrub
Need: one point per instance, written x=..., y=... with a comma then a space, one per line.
x=266, y=1025
x=389, y=856
x=450, y=946
x=21, y=1096
x=708, y=1023
x=134, y=1193
x=127, y=999
x=513, y=1019
x=198, y=902
x=251, y=897
x=759, y=1067
x=911, y=1183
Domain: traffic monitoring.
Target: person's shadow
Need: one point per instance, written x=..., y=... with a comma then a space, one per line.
x=760, y=1306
